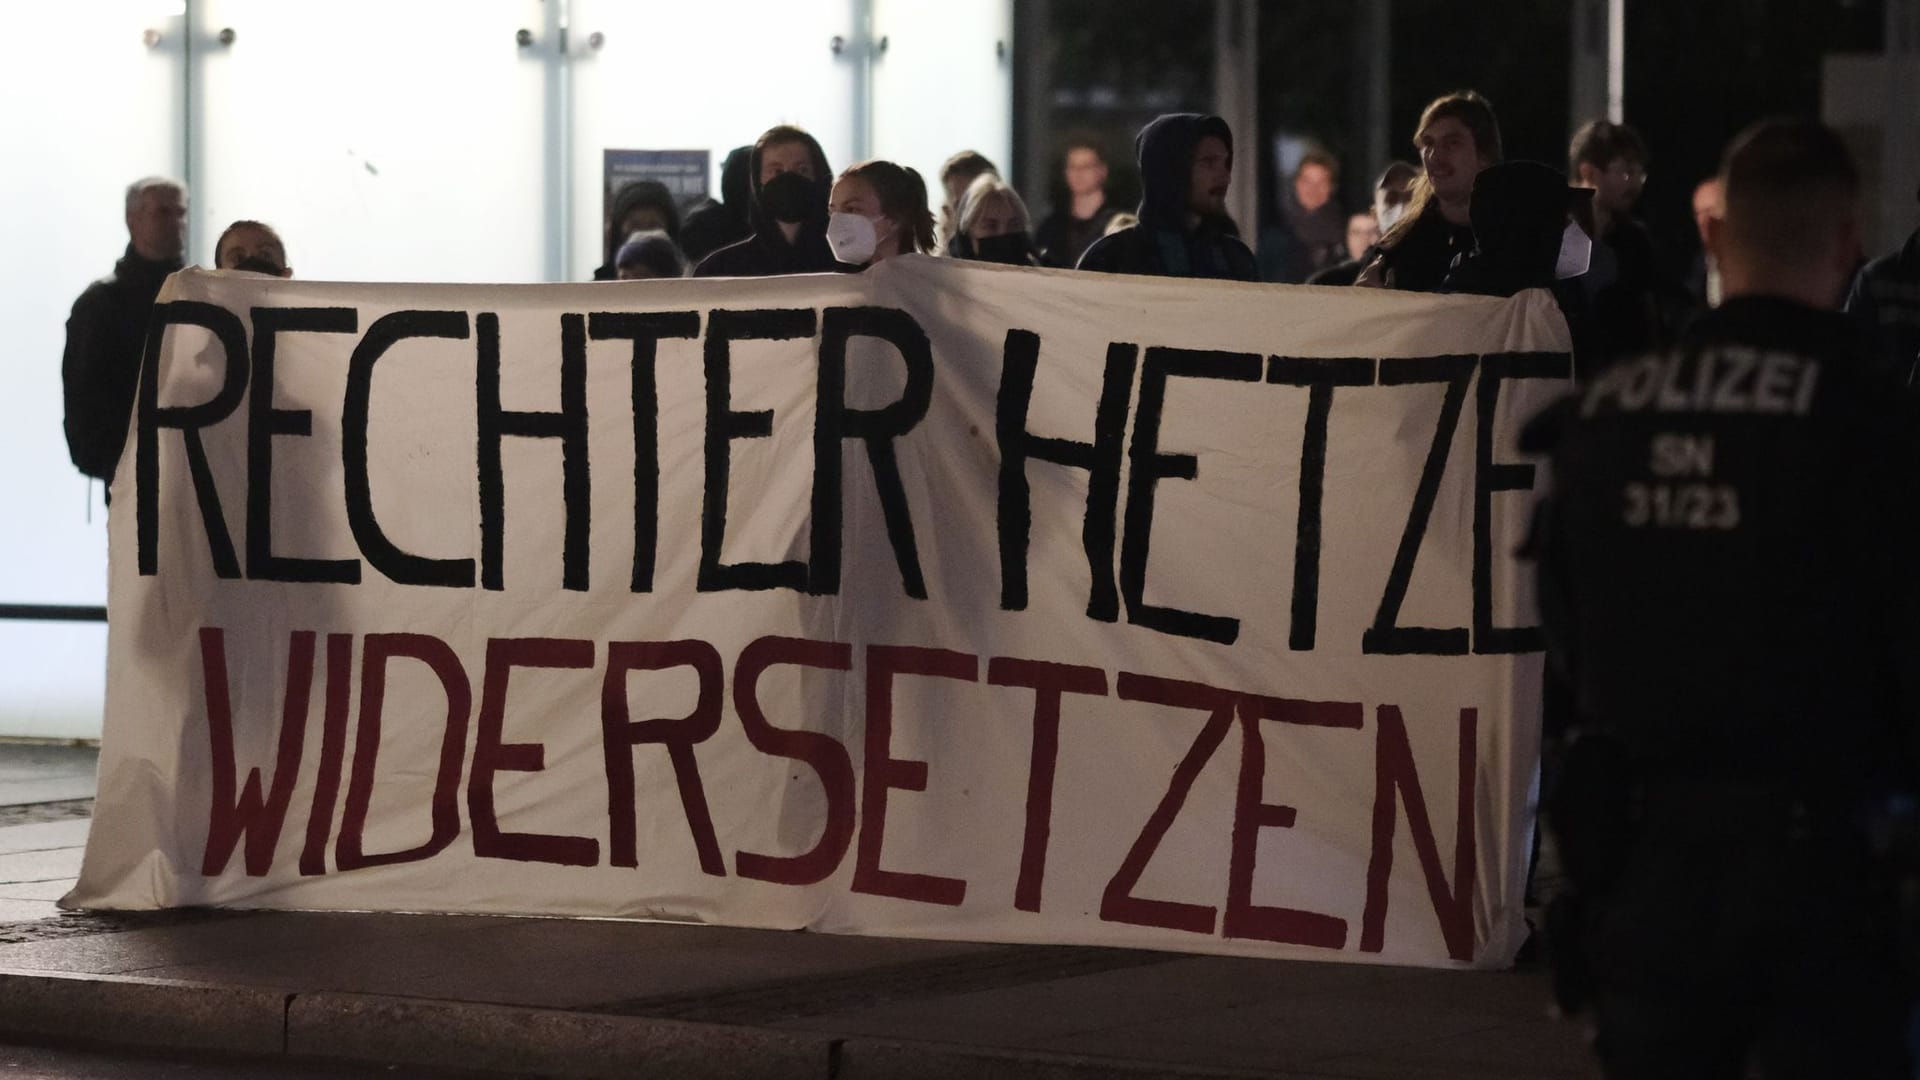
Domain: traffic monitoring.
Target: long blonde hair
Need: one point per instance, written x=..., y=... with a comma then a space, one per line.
x=1476, y=114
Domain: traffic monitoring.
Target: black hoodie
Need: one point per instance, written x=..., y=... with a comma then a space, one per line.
x=102, y=362
x=766, y=252
x=713, y=225
x=1163, y=244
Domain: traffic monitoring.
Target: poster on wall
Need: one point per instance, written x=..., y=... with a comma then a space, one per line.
x=684, y=173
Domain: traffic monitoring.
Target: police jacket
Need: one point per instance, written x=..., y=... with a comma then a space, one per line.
x=1885, y=304
x=1727, y=567
x=102, y=362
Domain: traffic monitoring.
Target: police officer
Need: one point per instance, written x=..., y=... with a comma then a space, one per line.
x=1727, y=581
x=1885, y=304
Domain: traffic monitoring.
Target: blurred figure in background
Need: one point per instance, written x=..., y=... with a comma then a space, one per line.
x=1186, y=164
x=879, y=210
x=637, y=207
x=1073, y=227
x=1622, y=289
x=1312, y=230
x=1391, y=194
x=109, y=323
x=1703, y=286
x=1885, y=305
x=649, y=254
x=993, y=225
x=714, y=224
x=1457, y=137
x=787, y=207
x=959, y=171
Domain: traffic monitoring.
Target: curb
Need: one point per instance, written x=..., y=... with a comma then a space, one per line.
x=144, y=1012
x=385, y=1029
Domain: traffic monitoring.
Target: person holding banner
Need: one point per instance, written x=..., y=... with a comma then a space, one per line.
x=1186, y=163
x=788, y=210
x=254, y=246
x=878, y=210
x=1458, y=136
x=993, y=225
x=1727, y=581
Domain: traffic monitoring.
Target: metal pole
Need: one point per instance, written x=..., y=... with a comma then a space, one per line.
x=1617, y=60
x=558, y=128
x=861, y=53
x=1379, y=18
x=1236, y=82
x=1032, y=96
x=1899, y=133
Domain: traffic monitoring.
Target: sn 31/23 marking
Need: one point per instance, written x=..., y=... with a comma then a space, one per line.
x=1681, y=506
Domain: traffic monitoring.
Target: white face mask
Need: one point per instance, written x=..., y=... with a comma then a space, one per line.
x=852, y=237
x=1390, y=216
x=1576, y=253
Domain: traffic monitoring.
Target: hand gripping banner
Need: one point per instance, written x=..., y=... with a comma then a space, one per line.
x=944, y=600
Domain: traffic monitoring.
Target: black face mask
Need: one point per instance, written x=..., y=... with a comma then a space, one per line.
x=259, y=266
x=790, y=197
x=1015, y=249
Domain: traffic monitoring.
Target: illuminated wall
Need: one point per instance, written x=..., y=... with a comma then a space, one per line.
x=397, y=140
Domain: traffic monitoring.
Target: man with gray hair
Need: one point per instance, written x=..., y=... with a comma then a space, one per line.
x=109, y=325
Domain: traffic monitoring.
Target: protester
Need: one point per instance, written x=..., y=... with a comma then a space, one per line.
x=253, y=246
x=1457, y=137
x=787, y=207
x=1073, y=226
x=1186, y=163
x=712, y=224
x=1702, y=284
x=1731, y=590
x=1363, y=231
x=638, y=206
x=1524, y=232
x=649, y=254
x=109, y=324
x=1623, y=290
x=959, y=171
x=879, y=210
x=1885, y=305
x=1390, y=196
x=1311, y=233
x=993, y=225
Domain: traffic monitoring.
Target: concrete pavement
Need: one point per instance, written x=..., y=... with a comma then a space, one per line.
x=572, y=997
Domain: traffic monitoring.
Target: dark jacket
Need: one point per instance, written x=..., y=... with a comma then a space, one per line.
x=766, y=252
x=1163, y=244
x=1420, y=258
x=712, y=224
x=1626, y=293
x=1885, y=305
x=105, y=334
x=1063, y=238
x=1729, y=586
x=1303, y=243
x=1519, y=217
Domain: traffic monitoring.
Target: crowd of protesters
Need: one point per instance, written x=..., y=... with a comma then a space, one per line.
x=1733, y=626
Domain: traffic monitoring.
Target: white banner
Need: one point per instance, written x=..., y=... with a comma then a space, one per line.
x=945, y=600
